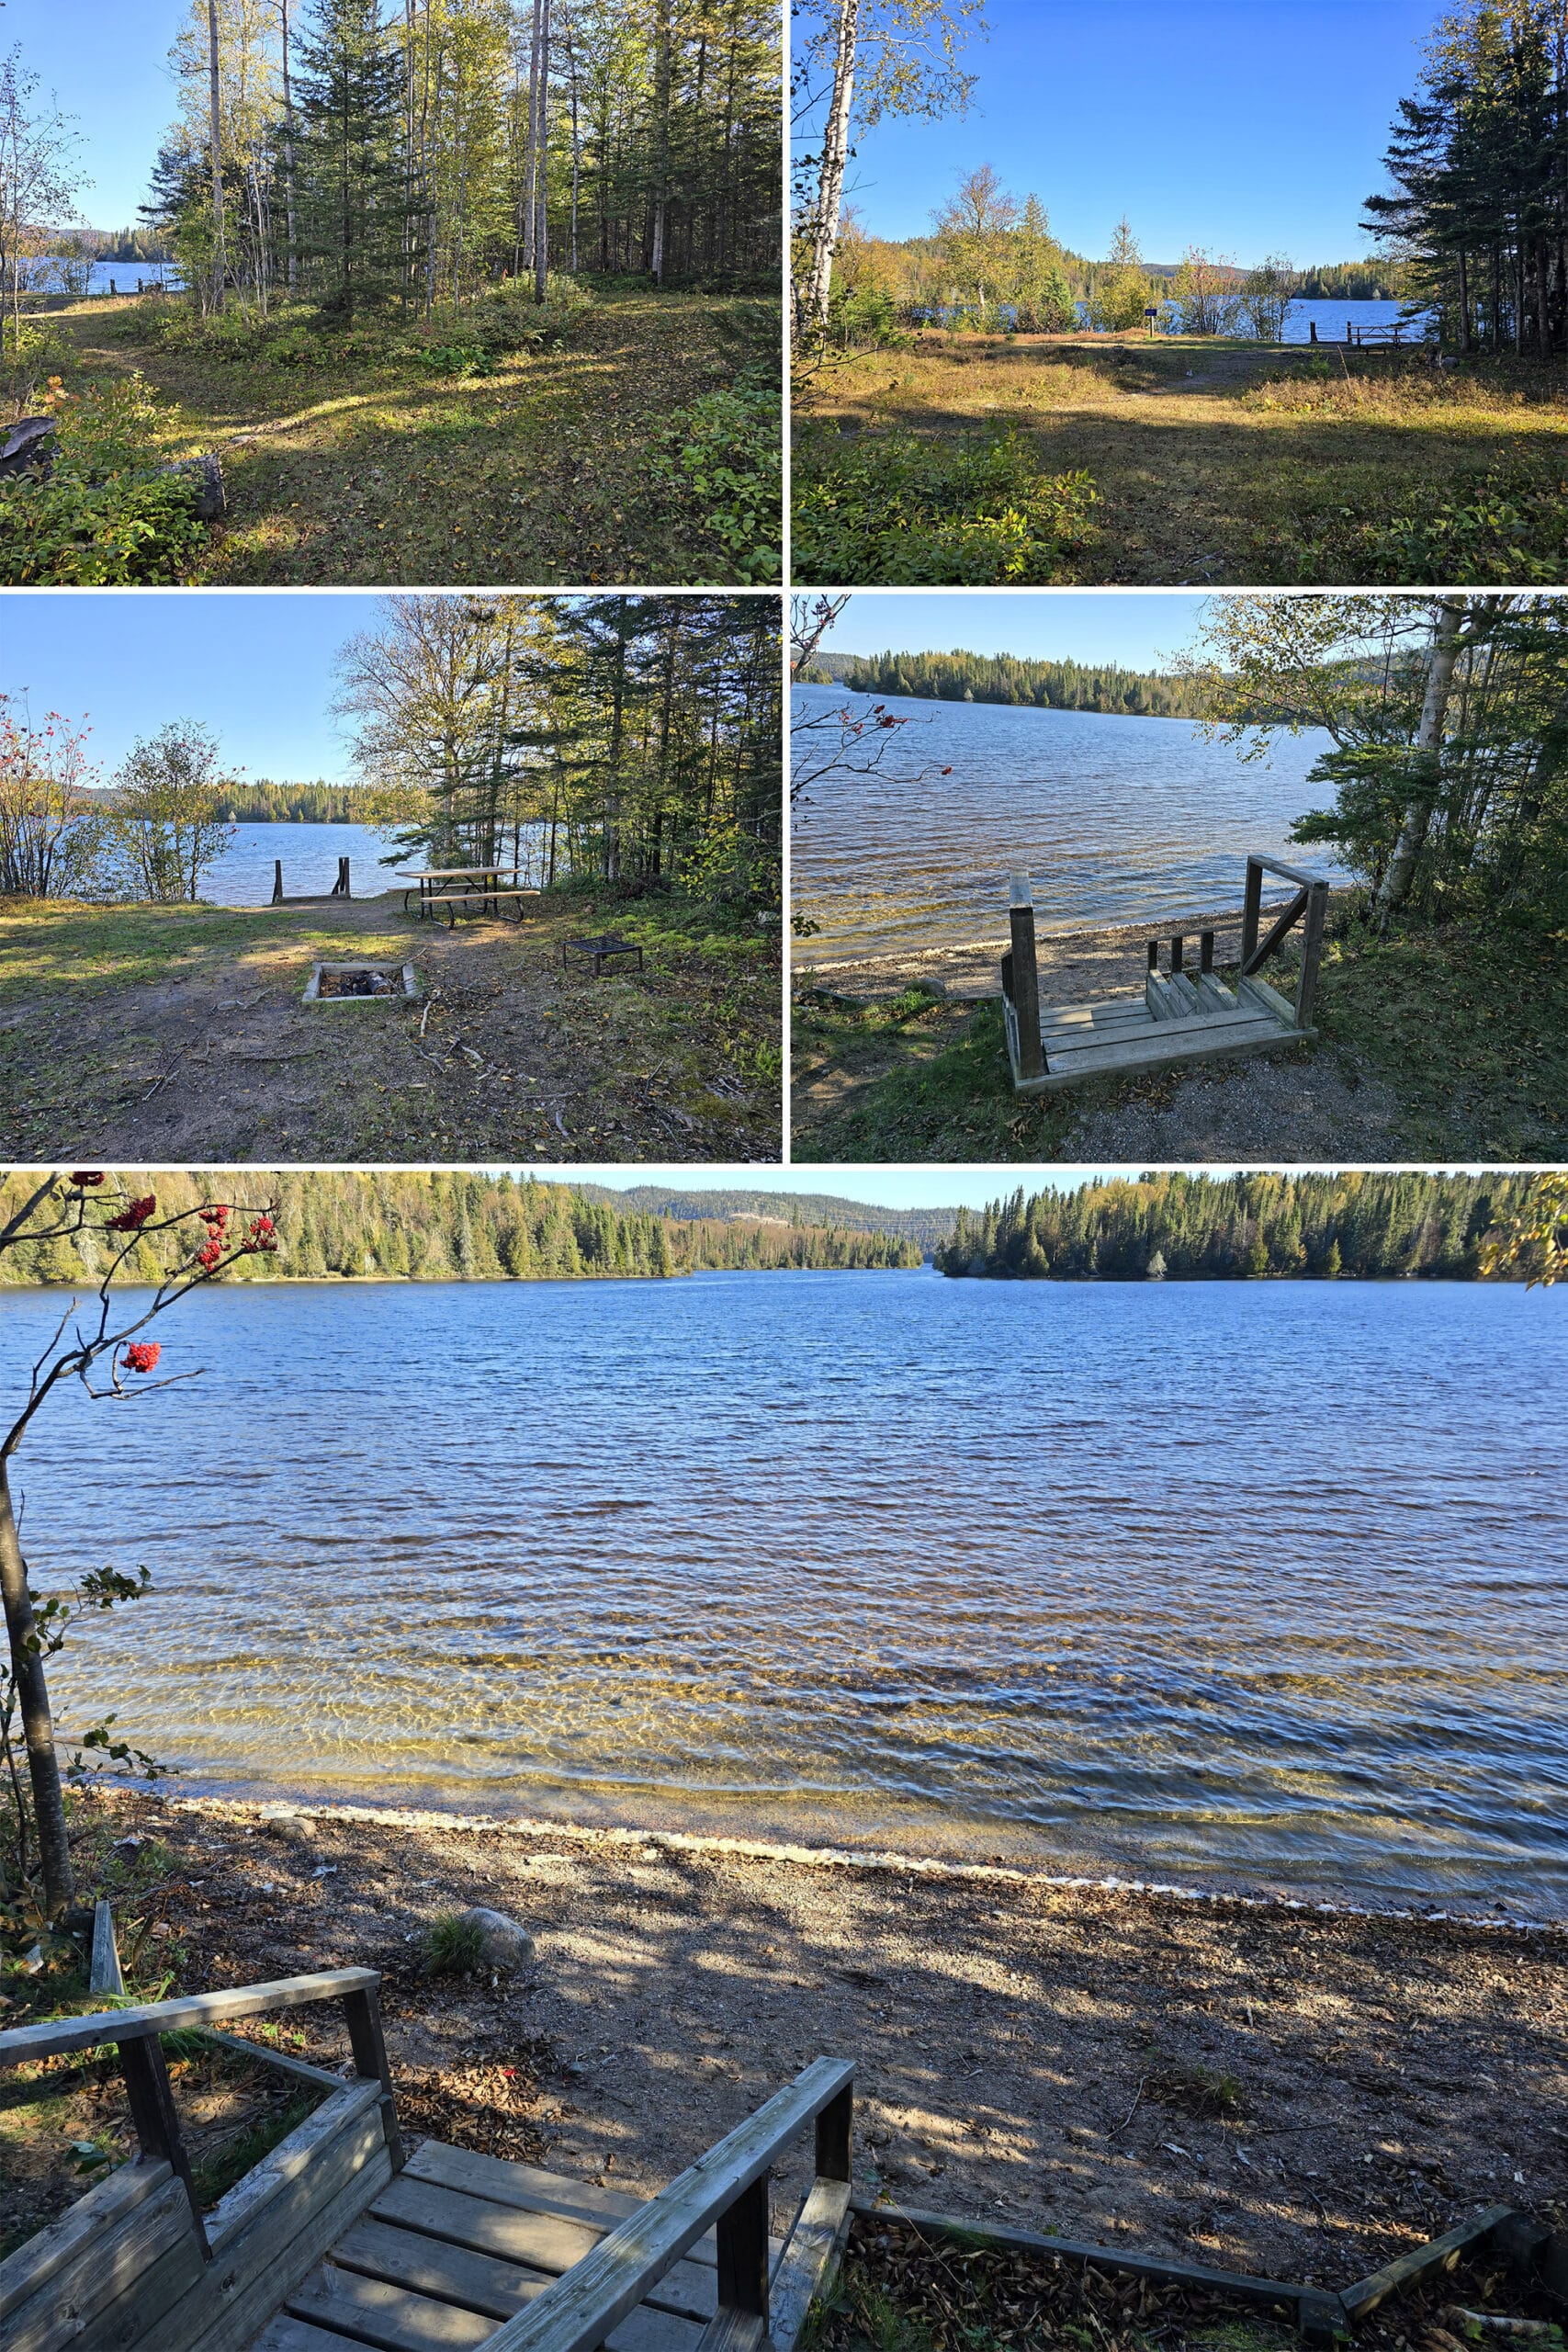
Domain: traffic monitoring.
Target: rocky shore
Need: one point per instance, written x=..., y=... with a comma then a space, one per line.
x=1265, y=2086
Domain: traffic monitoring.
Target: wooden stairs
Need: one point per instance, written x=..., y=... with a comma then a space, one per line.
x=1183, y=1016
x=335, y=2241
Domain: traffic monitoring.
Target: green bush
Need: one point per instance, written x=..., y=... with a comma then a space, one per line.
x=918, y=512
x=454, y=358
x=130, y=531
x=724, y=459
x=452, y=1946
x=105, y=518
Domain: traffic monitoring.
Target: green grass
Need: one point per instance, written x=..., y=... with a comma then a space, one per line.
x=628, y=438
x=897, y=507
x=452, y=1946
x=934, y=1085
x=83, y=948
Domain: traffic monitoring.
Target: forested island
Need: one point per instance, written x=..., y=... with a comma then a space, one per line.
x=1007, y=678
x=1379, y=1226
x=266, y=803
x=387, y=1225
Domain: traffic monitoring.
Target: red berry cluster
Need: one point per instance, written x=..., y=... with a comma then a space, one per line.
x=261, y=1234
x=83, y=1177
x=142, y=1355
x=132, y=1219
x=216, y=1220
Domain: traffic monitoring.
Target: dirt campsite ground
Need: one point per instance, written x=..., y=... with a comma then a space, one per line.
x=1272, y=2089
x=1438, y=1043
x=173, y=1035
x=1221, y=463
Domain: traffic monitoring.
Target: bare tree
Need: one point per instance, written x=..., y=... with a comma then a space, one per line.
x=215, y=138
x=38, y=175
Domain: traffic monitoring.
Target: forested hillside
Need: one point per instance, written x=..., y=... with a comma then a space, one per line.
x=264, y=803
x=414, y=1227
x=926, y=1226
x=1007, y=678
x=1382, y=1225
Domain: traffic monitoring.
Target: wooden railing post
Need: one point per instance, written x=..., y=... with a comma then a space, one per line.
x=742, y=2234
x=1205, y=951
x=157, y=2122
x=1025, y=976
x=1153, y=955
x=1250, y=906
x=363, y=2011
x=1178, y=954
x=1312, y=952
x=834, y=2126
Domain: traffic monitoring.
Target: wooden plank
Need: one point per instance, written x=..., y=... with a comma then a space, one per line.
x=809, y=2260
x=1080, y=2252
x=1213, y=995
x=283, y=2060
x=373, y=2313
x=1440, y=2254
x=1157, y=1001
x=139, y=2320
x=1183, y=993
x=1264, y=998
x=1161, y=1037
x=1286, y=873
x=310, y=2164
x=285, y=2333
x=542, y=2242
x=86, y=2225
x=735, y=2332
x=579, y=2311
x=1251, y=903
x=111, y=2268
x=1312, y=952
x=362, y=2010
x=239, y=2295
x=1127, y=1061
x=57, y=2037
x=526, y=2186
x=1283, y=924
x=104, y=1975
x=1110, y=1010
x=479, y=2282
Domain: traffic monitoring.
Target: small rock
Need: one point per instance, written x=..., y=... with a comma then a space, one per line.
x=507, y=1943
x=30, y=442
x=291, y=1828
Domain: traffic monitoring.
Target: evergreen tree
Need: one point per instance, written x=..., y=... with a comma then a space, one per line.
x=352, y=210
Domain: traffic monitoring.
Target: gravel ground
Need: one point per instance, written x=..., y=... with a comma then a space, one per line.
x=1266, y=2086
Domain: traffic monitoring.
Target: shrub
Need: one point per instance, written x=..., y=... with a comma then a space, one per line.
x=105, y=518
x=453, y=1946
x=454, y=358
x=913, y=513
x=723, y=457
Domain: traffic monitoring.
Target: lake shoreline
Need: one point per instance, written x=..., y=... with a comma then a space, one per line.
x=1038, y=2052
x=1092, y=959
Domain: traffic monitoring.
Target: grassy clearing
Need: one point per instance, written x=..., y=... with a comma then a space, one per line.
x=1467, y=1027
x=633, y=439
x=178, y=1032
x=1212, y=462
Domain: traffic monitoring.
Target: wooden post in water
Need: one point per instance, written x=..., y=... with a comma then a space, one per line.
x=1312, y=330
x=278, y=881
x=1025, y=976
x=340, y=887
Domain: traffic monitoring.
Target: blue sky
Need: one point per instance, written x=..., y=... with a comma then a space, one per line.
x=257, y=669
x=1141, y=631
x=106, y=61
x=1249, y=126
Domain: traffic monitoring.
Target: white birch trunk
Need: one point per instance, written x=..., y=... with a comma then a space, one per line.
x=215, y=135
x=1394, y=887
x=835, y=160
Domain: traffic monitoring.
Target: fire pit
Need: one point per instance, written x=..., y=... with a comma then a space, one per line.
x=361, y=983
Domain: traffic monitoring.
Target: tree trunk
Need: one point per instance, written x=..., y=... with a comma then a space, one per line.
x=289, y=159
x=661, y=139
x=530, y=155
x=541, y=158
x=215, y=135
x=1394, y=887
x=38, y=1723
x=835, y=160
x=576, y=145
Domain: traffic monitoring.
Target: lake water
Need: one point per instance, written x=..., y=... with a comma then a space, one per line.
x=242, y=875
x=1259, y=1584
x=1118, y=821
x=103, y=276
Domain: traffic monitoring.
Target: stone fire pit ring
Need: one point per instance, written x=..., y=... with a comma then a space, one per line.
x=362, y=982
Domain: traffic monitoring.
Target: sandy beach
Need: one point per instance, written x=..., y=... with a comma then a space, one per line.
x=1269, y=2086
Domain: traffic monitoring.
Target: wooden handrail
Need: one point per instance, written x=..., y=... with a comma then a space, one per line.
x=584, y=2306
x=58, y=2037
x=1311, y=901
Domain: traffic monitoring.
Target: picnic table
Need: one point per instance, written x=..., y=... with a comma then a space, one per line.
x=443, y=884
